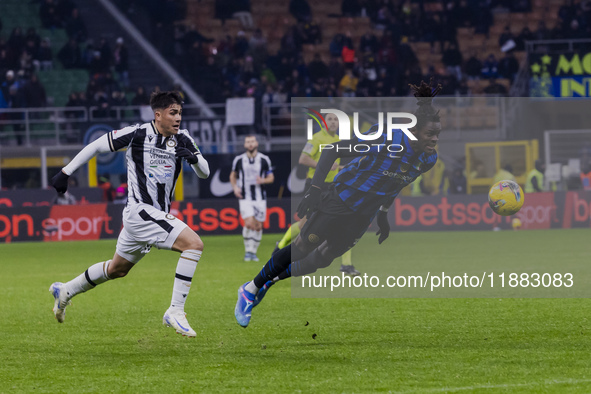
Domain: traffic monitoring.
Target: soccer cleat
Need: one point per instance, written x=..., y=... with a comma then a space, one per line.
x=349, y=270
x=177, y=319
x=262, y=291
x=253, y=257
x=62, y=300
x=248, y=256
x=244, y=306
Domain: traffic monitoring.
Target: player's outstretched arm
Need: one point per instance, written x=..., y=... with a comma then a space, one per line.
x=201, y=168
x=60, y=180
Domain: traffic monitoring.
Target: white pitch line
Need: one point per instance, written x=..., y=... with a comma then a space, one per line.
x=498, y=386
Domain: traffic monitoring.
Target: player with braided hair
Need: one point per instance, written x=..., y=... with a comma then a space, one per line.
x=363, y=189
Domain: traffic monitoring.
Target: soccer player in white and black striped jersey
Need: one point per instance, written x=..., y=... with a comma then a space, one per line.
x=155, y=154
x=251, y=171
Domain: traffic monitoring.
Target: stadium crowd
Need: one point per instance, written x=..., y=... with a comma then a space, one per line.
x=381, y=63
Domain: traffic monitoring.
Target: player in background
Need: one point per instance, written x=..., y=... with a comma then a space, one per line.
x=309, y=158
x=251, y=171
x=364, y=189
x=155, y=154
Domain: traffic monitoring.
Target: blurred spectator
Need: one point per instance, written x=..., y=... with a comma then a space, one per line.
x=495, y=88
x=368, y=43
x=109, y=192
x=120, y=195
x=311, y=33
x=586, y=175
x=8, y=82
x=140, y=98
x=318, y=69
x=452, y=60
x=240, y=44
x=101, y=100
x=490, y=67
x=473, y=67
x=121, y=62
x=351, y=8
x=48, y=14
x=32, y=41
x=505, y=173
x=16, y=99
x=348, y=52
x=535, y=178
x=44, y=56
x=482, y=17
x=301, y=10
x=97, y=65
x=457, y=182
x=72, y=102
x=542, y=33
x=525, y=35
x=70, y=55
x=16, y=41
x=348, y=84
x=507, y=36
x=508, y=67
x=75, y=27
x=257, y=48
x=106, y=54
x=34, y=93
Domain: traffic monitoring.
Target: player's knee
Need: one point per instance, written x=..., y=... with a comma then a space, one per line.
x=195, y=244
x=118, y=272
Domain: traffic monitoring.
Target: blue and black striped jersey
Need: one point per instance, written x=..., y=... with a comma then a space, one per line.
x=376, y=177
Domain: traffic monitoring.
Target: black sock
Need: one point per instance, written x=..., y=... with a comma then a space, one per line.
x=309, y=264
x=278, y=263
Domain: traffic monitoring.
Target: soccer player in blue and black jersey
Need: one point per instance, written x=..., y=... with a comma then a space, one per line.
x=363, y=189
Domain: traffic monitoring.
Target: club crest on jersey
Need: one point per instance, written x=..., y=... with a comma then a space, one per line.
x=313, y=238
x=404, y=167
x=171, y=143
x=169, y=216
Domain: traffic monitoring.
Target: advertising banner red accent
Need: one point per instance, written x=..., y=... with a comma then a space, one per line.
x=212, y=217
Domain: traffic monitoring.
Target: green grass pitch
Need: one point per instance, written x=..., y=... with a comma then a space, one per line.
x=113, y=339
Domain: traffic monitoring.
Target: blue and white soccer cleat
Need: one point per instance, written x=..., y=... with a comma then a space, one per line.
x=60, y=295
x=254, y=257
x=177, y=319
x=262, y=291
x=248, y=256
x=244, y=306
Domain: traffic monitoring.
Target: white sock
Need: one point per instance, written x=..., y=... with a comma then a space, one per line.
x=185, y=270
x=92, y=277
x=251, y=288
x=256, y=240
x=246, y=237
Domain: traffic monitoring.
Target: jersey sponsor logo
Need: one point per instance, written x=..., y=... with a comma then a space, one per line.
x=159, y=156
x=308, y=148
x=219, y=188
x=160, y=178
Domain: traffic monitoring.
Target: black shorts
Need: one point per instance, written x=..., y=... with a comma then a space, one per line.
x=335, y=223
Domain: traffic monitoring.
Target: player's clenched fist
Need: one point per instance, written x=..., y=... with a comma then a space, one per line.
x=185, y=153
x=310, y=202
x=60, y=182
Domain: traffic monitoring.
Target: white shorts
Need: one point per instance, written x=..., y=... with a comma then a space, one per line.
x=258, y=209
x=144, y=226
